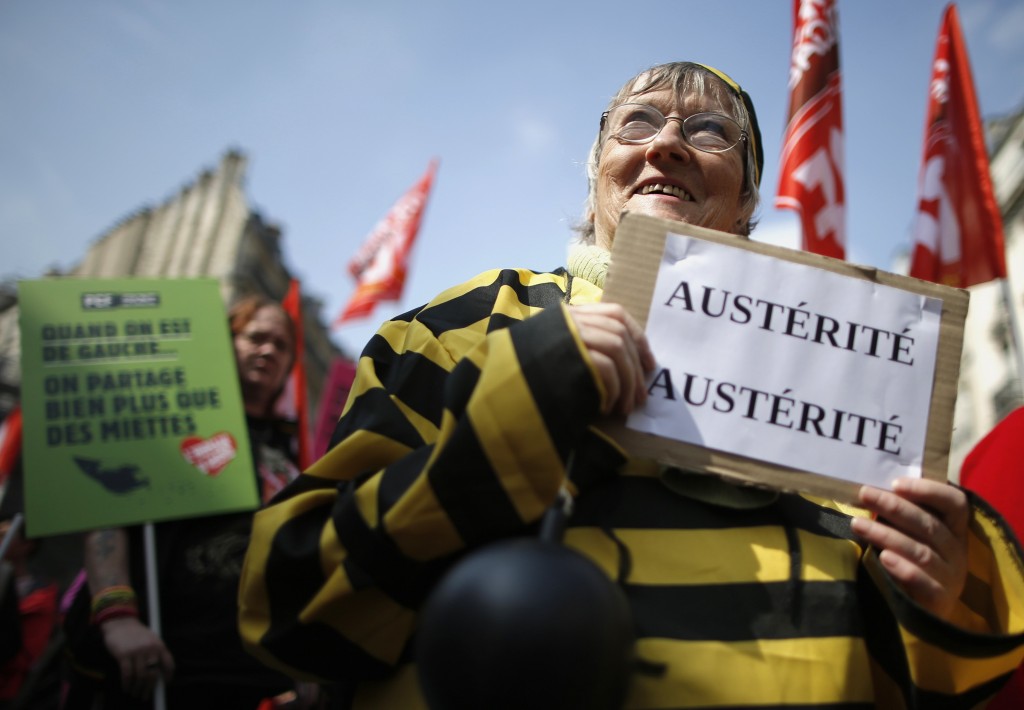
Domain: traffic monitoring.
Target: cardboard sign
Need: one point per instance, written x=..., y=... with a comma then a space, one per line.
x=783, y=368
x=131, y=403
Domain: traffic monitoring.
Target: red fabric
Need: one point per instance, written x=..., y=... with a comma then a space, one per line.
x=10, y=442
x=38, y=615
x=994, y=469
x=958, y=231
x=811, y=170
x=382, y=261
x=295, y=389
x=332, y=402
x=1011, y=697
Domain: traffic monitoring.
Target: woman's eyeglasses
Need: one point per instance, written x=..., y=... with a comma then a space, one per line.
x=640, y=123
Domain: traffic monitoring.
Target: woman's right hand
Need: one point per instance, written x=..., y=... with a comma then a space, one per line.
x=140, y=653
x=619, y=350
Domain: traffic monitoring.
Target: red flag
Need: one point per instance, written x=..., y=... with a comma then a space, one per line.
x=811, y=172
x=381, y=263
x=293, y=400
x=958, y=232
x=994, y=469
x=10, y=442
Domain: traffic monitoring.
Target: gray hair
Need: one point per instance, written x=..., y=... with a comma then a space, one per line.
x=686, y=78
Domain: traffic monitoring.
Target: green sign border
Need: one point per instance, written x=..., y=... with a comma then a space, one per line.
x=131, y=403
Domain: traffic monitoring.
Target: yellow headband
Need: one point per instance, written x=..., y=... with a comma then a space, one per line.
x=753, y=131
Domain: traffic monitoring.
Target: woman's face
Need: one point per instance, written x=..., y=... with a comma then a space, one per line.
x=264, y=352
x=668, y=177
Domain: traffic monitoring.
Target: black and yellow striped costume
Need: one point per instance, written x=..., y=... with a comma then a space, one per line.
x=457, y=432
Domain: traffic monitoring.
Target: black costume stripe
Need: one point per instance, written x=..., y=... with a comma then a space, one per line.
x=467, y=309
x=420, y=377
x=474, y=499
x=317, y=648
x=399, y=476
x=813, y=518
x=293, y=571
x=968, y=699
x=595, y=461
x=378, y=349
x=541, y=295
x=497, y=321
x=409, y=316
x=922, y=624
x=376, y=556
x=293, y=576
x=746, y=612
x=644, y=502
x=461, y=311
x=550, y=367
x=461, y=385
x=885, y=645
x=882, y=634
x=371, y=415
x=304, y=483
x=785, y=706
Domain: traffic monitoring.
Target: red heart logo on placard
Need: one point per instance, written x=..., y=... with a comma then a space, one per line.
x=210, y=455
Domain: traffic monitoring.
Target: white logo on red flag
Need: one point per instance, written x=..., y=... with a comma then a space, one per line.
x=958, y=231
x=811, y=172
x=381, y=264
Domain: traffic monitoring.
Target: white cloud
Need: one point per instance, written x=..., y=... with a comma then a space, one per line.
x=533, y=135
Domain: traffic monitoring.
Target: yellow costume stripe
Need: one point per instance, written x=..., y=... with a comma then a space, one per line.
x=253, y=603
x=694, y=557
x=519, y=453
x=778, y=672
x=418, y=523
x=366, y=500
x=469, y=341
x=362, y=451
x=400, y=692
x=369, y=618
x=1001, y=597
x=931, y=667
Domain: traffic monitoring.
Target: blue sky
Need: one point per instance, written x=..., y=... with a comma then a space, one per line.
x=109, y=106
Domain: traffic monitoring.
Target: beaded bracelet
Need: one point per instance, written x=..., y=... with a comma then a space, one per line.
x=112, y=602
x=114, y=612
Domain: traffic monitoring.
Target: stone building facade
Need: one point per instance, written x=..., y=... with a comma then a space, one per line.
x=990, y=370
x=206, y=230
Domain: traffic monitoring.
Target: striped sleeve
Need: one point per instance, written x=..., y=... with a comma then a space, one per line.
x=958, y=664
x=456, y=433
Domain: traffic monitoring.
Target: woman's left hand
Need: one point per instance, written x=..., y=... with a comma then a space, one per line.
x=921, y=532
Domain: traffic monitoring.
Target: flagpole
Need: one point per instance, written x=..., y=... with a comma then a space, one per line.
x=153, y=602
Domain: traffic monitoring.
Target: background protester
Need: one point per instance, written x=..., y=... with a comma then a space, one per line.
x=117, y=658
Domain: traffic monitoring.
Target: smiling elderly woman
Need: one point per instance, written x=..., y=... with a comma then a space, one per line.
x=459, y=431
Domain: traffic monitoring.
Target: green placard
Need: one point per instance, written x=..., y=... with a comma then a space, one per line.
x=131, y=404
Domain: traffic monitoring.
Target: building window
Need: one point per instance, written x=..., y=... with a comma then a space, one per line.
x=1007, y=398
x=1001, y=333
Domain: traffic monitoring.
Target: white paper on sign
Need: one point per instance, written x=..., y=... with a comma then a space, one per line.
x=789, y=364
